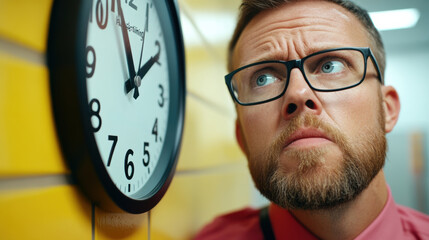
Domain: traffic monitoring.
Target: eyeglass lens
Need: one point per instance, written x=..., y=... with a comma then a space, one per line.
x=331, y=70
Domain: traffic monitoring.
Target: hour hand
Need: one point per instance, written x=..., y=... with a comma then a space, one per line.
x=130, y=83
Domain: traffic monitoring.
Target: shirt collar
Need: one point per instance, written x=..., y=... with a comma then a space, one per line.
x=387, y=225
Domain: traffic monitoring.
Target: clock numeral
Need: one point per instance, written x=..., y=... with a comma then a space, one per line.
x=94, y=112
x=161, y=101
x=99, y=14
x=107, y=7
x=115, y=141
x=113, y=6
x=129, y=166
x=132, y=4
x=146, y=154
x=90, y=66
x=155, y=129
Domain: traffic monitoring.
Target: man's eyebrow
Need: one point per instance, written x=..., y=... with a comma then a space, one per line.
x=282, y=56
x=276, y=57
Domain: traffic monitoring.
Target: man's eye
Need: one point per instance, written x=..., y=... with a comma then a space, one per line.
x=265, y=79
x=332, y=67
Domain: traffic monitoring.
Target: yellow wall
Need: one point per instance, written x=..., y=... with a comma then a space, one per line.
x=37, y=198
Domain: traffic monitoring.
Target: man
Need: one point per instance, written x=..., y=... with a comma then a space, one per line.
x=312, y=114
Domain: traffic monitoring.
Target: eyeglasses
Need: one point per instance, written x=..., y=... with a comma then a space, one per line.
x=325, y=71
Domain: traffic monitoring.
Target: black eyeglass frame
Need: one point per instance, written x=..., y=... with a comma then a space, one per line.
x=299, y=63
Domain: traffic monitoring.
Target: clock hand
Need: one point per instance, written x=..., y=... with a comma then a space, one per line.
x=130, y=62
x=144, y=33
x=137, y=80
x=143, y=70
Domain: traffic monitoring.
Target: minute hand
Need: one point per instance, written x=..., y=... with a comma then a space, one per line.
x=144, y=69
x=128, y=53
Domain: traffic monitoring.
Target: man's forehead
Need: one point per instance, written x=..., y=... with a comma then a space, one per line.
x=307, y=7
x=307, y=25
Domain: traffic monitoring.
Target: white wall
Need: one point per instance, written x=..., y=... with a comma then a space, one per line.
x=408, y=71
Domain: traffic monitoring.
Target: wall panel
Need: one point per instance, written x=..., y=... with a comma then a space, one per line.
x=26, y=22
x=59, y=212
x=28, y=141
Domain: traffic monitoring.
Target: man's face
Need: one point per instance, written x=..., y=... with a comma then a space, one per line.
x=310, y=150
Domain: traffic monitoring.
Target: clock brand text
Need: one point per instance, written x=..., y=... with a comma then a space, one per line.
x=130, y=28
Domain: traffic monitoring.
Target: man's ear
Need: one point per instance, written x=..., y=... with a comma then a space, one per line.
x=391, y=106
x=239, y=136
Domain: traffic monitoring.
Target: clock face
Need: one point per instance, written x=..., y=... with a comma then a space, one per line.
x=129, y=124
x=118, y=95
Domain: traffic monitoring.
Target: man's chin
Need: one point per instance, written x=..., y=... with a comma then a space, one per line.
x=314, y=188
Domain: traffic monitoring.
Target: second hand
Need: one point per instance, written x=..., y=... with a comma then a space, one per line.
x=137, y=80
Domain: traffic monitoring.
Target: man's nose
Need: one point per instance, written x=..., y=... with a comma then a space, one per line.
x=299, y=97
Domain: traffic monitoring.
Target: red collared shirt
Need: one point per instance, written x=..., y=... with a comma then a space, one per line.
x=394, y=222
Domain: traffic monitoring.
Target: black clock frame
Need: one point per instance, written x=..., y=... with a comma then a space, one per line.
x=66, y=62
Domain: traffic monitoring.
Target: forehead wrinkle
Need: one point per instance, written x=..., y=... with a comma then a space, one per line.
x=296, y=22
x=275, y=41
x=270, y=36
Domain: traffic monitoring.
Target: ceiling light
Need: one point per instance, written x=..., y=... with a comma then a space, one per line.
x=395, y=19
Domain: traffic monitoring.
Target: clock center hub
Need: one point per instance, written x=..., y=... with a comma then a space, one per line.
x=137, y=81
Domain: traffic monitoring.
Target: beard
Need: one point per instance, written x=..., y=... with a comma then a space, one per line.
x=312, y=185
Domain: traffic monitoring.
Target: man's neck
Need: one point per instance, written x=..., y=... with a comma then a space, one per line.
x=350, y=219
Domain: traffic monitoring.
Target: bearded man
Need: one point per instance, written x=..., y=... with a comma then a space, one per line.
x=306, y=77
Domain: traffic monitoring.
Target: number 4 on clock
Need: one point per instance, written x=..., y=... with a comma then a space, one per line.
x=155, y=129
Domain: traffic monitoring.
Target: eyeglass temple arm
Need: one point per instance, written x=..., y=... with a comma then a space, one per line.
x=374, y=61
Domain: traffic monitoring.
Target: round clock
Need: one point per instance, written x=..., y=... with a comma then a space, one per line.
x=118, y=92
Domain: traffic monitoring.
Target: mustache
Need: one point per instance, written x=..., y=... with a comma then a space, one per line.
x=306, y=121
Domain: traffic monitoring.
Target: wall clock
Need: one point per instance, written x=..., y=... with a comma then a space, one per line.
x=117, y=75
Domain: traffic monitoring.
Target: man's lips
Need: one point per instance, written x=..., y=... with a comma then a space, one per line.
x=306, y=137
